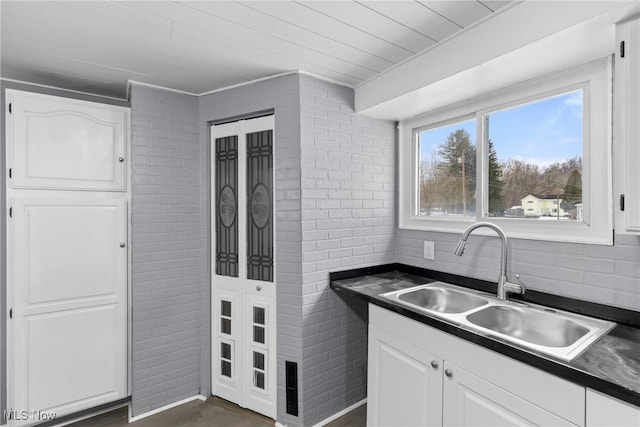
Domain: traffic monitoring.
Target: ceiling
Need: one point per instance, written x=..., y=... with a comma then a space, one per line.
x=202, y=46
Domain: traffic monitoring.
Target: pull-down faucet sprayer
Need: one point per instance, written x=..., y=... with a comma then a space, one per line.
x=504, y=286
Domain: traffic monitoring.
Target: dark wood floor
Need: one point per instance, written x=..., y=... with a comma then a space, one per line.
x=212, y=413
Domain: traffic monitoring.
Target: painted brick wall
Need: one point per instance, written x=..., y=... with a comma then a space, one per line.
x=348, y=221
x=166, y=246
x=282, y=95
x=604, y=274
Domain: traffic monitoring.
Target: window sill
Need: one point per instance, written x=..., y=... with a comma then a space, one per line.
x=551, y=231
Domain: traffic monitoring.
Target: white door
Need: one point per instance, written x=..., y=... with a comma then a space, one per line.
x=59, y=143
x=243, y=264
x=67, y=276
x=405, y=383
x=472, y=401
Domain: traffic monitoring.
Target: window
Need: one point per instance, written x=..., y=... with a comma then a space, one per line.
x=447, y=170
x=533, y=158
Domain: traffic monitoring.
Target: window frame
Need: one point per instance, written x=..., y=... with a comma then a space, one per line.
x=595, y=79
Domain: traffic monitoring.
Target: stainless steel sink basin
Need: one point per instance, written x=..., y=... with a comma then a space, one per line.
x=556, y=333
x=535, y=327
x=442, y=300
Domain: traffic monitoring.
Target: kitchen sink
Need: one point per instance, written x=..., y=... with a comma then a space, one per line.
x=535, y=328
x=442, y=300
x=528, y=325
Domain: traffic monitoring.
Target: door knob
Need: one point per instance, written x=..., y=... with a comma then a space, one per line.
x=434, y=364
x=448, y=373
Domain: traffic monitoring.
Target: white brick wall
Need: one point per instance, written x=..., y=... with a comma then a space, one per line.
x=348, y=221
x=166, y=247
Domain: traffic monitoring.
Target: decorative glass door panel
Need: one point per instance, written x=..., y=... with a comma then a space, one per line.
x=226, y=185
x=243, y=285
x=259, y=214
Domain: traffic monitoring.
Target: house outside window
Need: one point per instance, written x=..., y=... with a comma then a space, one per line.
x=536, y=145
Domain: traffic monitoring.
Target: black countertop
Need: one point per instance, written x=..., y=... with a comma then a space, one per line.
x=611, y=365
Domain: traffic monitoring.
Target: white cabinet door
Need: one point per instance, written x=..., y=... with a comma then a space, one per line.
x=59, y=143
x=243, y=264
x=605, y=411
x=472, y=401
x=627, y=125
x=68, y=335
x=405, y=383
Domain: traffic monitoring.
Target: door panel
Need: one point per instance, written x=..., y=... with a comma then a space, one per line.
x=227, y=334
x=242, y=195
x=69, y=331
x=472, y=401
x=73, y=347
x=75, y=243
x=66, y=144
x=404, y=388
x=259, y=212
x=260, y=381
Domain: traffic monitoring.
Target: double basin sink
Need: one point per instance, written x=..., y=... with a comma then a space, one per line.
x=556, y=333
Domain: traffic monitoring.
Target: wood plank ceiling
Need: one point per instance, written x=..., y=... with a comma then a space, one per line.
x=201, y=46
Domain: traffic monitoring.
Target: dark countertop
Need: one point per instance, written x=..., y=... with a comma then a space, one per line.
x=611, y=365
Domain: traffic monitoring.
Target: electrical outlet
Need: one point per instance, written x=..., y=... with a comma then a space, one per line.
x=429, y=250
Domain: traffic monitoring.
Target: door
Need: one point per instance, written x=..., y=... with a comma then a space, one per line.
x=59, y=143
x=405, y=383
x=243, y=268
x=67, y=274
x=472, y=401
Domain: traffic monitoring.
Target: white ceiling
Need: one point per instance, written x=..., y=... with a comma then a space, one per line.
x=201, y=46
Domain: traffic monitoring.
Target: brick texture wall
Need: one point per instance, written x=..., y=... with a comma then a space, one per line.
x=348, y=221
x=604, y=274
x=166, y=248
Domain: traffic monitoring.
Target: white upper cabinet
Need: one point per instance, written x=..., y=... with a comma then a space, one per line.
x=627, y=126
x=60, y=143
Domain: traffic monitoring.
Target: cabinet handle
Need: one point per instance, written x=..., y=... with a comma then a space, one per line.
x=121, y=159
x=448, y=373
x=434, y=364
x=122, y=245
x=258, y=288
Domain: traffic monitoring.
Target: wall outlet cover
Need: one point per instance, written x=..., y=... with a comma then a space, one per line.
x=429, y=250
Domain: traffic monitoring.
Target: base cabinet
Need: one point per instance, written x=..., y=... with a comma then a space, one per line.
x=605, y=411
x=472, y=401
x=420, y=376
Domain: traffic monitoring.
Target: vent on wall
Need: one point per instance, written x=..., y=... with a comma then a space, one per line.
x=291, y=374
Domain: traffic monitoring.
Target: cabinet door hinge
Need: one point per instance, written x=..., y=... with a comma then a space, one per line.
x=622, y=49
x=11, y=212
x=622, y=202
x=10, y=108
x=10, y=172
x=11, y=313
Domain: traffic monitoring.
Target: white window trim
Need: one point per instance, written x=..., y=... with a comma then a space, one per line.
x=597, y=228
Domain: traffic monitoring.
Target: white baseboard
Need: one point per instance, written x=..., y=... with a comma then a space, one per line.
x=164, y=408
x=341, y=413
x=281, y=425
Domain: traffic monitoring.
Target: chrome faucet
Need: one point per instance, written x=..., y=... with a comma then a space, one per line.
x=504, y=286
